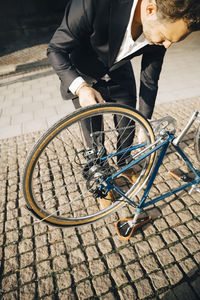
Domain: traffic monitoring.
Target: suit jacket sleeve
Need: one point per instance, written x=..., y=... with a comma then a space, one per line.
x=152, y=61
x=74, y=30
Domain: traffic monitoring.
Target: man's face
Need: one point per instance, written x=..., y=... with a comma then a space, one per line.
x=162, y=32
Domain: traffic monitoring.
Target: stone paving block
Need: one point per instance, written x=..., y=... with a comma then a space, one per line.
x=197, y=257
x=65, y=108
x=149, y=230
x=144, y=289
x=76, y=256
x=194, y=226
x=59, y=262
x=10, y=296
x=172, y=219
x=88, y=238
x=119, y=277
x=11, y=265
x=113, y=260
x=66, y=294
x=158, y=280
x=9, y=283
x=42, y=253
x=127, y=293
x=142, y=248
x=119, y=242
x=156, y=243
x=174, y=274
x=26, y=259
x=97, y=267
x=128, y=254
x=92, y=253
x=169, y=236
x=80, y=272
x=12, y=236
x=149, y=263
x=195, y=209
x=189, y=267
x=182, y=231
x=63, y=280
x=160, y=224
x=105, y=246
x=185, y=216
x=165, y=257
x=102, y=284
x=102, y=233
x=45, y=286
x=135, y=271
x=178, y=251
x=191, y=244
x=25, y=245
x=10, y=251
x=27, y=291
x=71, y=242
x=84, y=290
x=108, y=296
x=27, y=275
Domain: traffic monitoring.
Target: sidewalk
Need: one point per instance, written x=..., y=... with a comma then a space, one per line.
x=162, y=261
x=32, y=101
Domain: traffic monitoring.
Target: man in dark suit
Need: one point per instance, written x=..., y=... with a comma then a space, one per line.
x=92, y=48
x=99, y=37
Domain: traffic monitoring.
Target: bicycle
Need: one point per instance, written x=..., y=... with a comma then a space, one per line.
x=64, y=179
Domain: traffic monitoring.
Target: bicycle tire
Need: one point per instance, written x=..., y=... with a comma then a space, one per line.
x=197, y=144
x=42, y=167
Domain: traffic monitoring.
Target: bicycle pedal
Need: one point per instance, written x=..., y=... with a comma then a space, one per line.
x=194, y=188
x=125, y=231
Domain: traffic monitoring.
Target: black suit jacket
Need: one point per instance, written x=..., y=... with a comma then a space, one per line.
x=88, y=41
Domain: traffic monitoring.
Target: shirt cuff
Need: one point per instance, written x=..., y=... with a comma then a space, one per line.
x=75, y=84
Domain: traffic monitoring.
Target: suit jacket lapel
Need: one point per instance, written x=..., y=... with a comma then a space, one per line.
x=119, y=18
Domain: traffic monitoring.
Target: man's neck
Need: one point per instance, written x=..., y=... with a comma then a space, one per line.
x=137, y=13
x=136, y=27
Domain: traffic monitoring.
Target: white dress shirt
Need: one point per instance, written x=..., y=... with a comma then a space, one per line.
x=128, y=47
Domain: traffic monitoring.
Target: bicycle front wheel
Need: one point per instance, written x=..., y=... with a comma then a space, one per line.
x=63, y=171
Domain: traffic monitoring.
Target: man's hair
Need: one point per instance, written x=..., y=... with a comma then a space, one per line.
x=188, y=10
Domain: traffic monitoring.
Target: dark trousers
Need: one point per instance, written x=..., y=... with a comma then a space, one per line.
x=121, y=88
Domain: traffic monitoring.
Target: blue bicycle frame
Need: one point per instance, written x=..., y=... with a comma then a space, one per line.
x=163, y=145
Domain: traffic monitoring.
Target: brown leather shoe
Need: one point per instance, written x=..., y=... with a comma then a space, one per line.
x=106, y=202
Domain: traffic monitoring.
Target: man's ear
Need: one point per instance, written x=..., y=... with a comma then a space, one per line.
x=151, y=10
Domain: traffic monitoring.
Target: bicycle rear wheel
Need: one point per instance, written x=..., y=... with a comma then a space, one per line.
x=62, y=172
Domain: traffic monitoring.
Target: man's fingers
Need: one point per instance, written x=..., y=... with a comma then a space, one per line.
x=99, y=98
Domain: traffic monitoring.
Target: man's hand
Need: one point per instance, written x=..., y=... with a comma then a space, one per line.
x=89, y=96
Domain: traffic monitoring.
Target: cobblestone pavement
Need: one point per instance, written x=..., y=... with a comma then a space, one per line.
x=162, y=260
